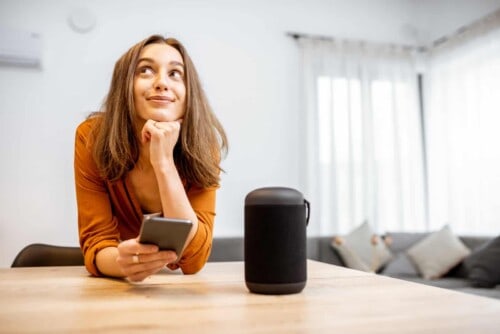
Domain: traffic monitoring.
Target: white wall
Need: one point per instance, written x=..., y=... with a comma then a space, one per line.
x=247, y=64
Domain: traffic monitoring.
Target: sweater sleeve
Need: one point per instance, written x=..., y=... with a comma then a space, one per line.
x=97, y=227
x=196, y=253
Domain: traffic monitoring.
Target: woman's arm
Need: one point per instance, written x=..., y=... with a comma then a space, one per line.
x=97, y=227
x=161, y=138
x=198, y=205
x=174, y=200
x=197, y=252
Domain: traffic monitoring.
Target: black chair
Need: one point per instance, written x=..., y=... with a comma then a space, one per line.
x=41, y=255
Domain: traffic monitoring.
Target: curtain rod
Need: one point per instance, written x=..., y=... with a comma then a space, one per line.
x=297, y=35
x=490, y=20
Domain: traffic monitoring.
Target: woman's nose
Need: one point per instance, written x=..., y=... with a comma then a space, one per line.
x=161, y=82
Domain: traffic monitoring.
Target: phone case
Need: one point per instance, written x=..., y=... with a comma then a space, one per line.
x=167, y=233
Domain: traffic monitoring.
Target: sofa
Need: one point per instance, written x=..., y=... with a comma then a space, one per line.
x=320, y=249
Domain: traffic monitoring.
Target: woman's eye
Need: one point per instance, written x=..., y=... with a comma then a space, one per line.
x=176, y=74
x=146, y=70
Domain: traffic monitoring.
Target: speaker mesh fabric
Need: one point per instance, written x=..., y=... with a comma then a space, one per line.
x=275, y=244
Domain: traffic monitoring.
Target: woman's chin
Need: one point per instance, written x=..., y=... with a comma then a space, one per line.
x=164, y=117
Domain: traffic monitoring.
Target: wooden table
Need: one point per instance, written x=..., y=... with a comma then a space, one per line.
x=216, y=300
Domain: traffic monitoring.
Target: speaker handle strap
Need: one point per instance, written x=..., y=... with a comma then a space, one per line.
x=308, y=211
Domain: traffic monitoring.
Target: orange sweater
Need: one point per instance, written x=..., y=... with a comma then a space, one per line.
x=108, y=212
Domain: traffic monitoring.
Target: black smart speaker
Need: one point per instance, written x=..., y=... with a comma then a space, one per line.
x=275, y=240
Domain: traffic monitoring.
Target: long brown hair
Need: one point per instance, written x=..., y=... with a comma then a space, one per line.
x=202, y=140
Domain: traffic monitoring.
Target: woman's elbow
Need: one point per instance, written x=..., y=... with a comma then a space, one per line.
x=192, y=268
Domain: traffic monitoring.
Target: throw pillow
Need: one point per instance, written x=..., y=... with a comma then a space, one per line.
x=436, y=254
x=484, y=265
x=362, y=249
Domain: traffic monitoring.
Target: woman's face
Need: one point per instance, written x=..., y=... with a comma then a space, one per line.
x=159, y=89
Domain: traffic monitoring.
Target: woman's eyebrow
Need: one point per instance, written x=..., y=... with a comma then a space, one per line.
x=146, y=59
x=150, y=60
x=177, y=63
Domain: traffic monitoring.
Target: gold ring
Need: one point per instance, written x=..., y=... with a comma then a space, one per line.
x=135, y=258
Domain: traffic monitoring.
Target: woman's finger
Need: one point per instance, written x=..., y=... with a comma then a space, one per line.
x=148, y=127
x=137, y=272
x=168, y=126
x=132, y=246
x=166, y=256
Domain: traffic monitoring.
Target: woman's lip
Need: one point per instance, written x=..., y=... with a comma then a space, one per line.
x=160, y=102
x=160, y=98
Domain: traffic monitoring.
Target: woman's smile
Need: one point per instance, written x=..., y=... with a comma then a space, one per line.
x=160, y=101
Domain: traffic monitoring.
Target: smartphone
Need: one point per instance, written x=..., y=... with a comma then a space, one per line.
x=166, y=233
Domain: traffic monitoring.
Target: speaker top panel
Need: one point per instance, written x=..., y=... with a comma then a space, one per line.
x=274, y=196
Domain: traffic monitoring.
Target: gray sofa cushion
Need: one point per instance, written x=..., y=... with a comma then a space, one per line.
x=324, y=252
x=484, y=265
x=401, y=241
x=227, y=249
x=400, y=266
x=473, y=243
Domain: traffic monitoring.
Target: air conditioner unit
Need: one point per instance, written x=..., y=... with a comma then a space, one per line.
x=20, y=48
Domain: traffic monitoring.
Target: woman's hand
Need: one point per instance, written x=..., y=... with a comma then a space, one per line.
x=162, y=137
x=138, y=261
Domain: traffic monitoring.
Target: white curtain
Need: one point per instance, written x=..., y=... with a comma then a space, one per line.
x=362, y=137
x=463, y=131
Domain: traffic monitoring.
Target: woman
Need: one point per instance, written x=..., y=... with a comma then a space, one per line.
x=155, y=148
